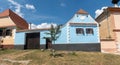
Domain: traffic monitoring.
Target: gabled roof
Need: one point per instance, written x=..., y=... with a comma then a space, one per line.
x=81, y=11
x=20, y=22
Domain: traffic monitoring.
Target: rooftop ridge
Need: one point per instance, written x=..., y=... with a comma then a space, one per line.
x=81, y=11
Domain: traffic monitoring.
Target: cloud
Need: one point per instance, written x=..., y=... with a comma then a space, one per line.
x=42, y=25
x=99, y=11
x=29, y=6
x=32, y=26
x=17, y=7
x=46, y=17
x=62, y=4
x=43, y=18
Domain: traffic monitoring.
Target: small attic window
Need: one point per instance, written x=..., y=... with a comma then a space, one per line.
x=87, y=16
x=77, y=15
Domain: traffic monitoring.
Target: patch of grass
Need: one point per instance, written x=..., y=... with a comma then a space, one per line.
x=7, y=51
x=39, y=57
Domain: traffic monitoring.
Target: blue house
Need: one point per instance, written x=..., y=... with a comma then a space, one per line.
x=81, y=32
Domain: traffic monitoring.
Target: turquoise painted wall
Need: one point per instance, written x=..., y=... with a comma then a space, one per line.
x=61, y=39
x=42, y=35
x=20, y=38
x=77, y=38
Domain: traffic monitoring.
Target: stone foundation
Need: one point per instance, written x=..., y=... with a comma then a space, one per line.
x=7, y=46
x=70, y=47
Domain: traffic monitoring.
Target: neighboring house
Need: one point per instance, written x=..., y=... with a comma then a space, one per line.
x=9, y=23
x=109, y=22
x=81, y=32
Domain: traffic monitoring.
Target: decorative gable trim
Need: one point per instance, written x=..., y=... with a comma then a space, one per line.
x=83, y=24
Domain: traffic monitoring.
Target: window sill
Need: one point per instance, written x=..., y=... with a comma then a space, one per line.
x=80, y=34
x=89, y=34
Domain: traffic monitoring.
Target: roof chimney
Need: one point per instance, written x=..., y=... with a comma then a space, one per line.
x=115, y=2
x=116, y=5
x=30, y=25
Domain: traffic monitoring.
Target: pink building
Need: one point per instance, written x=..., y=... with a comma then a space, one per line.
x=109, y=22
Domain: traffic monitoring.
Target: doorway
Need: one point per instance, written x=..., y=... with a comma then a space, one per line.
x=32, y=41
x=48, y=43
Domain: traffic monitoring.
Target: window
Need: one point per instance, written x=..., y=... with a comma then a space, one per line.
x=79, y=31
x=1, y=32
x=89, y=31
x=8, y=32
x=5, y=32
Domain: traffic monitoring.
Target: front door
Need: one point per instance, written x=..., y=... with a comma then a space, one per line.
x=48, y=43
x=32, y=41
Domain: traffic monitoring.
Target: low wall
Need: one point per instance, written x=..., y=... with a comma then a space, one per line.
x=7, y=46
x=70, y=47
x=108, y=46
x=75, y=47
x=18, y=46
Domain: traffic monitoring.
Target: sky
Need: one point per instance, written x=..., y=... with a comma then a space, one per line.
x=43, y=12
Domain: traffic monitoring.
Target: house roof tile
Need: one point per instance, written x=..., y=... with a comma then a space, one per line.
x=81, y=11
x=19, y=21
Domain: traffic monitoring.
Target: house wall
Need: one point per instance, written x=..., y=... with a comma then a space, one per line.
x=117, y=20
x=20, y=38
x=61, y=40
x=77, y=38
x=83, y=18
x=42, y=35
x=63, y=36
x=118, y=39
x=6, y=21
x=116, y=16
x=8, y=41
x=106, y=27
x=108, y=46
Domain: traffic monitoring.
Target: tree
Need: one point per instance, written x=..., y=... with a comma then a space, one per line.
x=115, y=1
x=54, y=33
